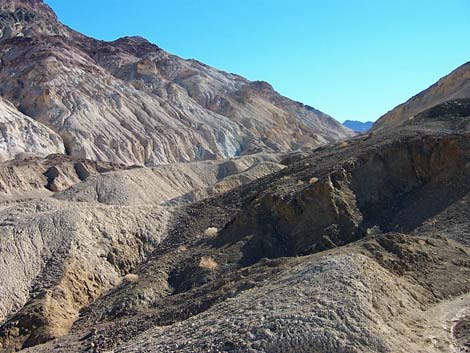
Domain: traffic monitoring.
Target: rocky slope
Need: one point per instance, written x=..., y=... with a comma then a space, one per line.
x=357, y=246
x=361, y=246
x=21, y=135
x=62, y=249
x=454, y=86
x=129, y=101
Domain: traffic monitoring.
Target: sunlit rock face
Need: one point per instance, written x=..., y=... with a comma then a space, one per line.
x=454, y=86
x=21, y=135
x=129, y=101
x=28, y=18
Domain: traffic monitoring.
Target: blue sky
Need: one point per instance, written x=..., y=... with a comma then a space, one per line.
x=352, y=59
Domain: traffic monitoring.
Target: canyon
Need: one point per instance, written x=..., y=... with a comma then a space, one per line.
x=150, y=203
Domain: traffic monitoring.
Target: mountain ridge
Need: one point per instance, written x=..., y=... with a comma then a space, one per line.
x=455, y=85
x=129, y=101
x=346, y=245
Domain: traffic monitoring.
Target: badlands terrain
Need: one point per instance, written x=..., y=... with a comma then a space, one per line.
x=154, y=204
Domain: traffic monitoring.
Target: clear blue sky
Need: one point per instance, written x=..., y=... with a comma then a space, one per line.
x=353, y=59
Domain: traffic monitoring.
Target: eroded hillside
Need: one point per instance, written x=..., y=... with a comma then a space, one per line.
x=154, y=204
x=348, y=249
x=130, y=102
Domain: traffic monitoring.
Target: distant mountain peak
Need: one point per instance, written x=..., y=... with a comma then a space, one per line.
x=358, y=126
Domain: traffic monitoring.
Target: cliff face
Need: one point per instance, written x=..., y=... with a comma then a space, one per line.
x=129, y=101
x=28, y=18
x=21, y=135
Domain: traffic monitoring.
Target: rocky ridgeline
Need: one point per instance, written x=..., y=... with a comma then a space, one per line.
x=130, y=102
x=455, y=86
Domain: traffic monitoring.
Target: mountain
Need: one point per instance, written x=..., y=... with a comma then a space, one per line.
x=358, y=126
x=128, y=101
x=455, y=86
x=21, y=135
x=360, y=246
x=355, y=246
